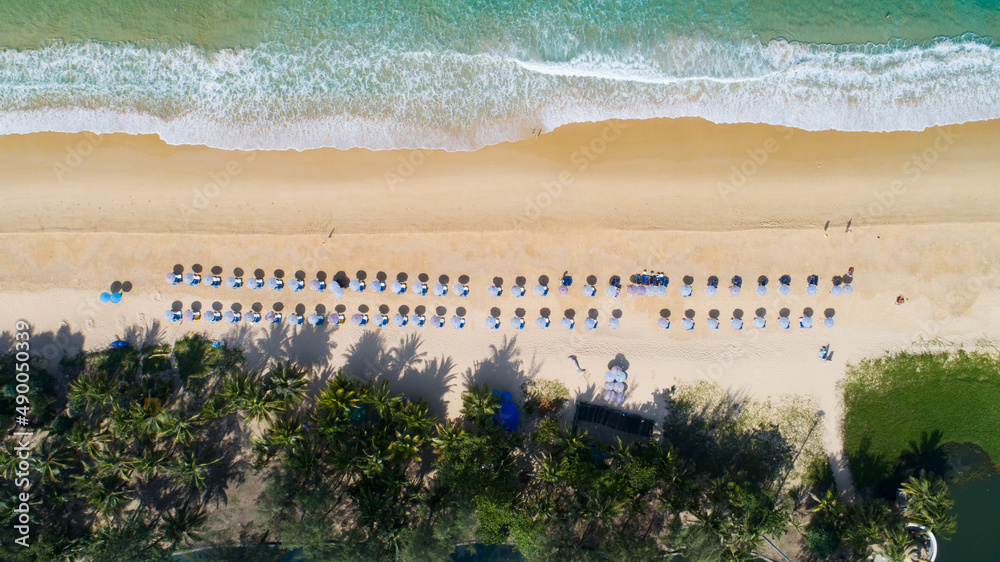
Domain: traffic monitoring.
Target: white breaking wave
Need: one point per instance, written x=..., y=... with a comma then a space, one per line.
x=333, y=95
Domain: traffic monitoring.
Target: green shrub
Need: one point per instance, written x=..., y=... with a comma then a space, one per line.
x=821, y=539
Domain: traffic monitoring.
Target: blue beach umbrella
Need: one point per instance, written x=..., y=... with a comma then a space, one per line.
x=783, y=322
x=590, y=323
x=846, y=288
x=810, y=289
x=116, y=297
x=805, y=322
x=613, y=323
x=440, y=290
x=517, y=323
x=835, y=290
x=494, y=291
x=761, y=290
x=828, y=322
x=492, y=322
x=541, y=290
x=542, y=322
x=517, y=291
x=685, y=290
x=336, y=290
x=688, y=324
x=460, y=289
x=396, y=287
x=758, y=322
x=663, y=323
x=710, y=290
x=611, y=291
x=316, y=285
x=399, y=320
x=566, y=323
x=315, y=319
x=173, y=278
x=713, y=323
x=105, y=297
x=231, y=282
x=457, y=322
x=784, y=289
x=415, y=320
x=589, y=290
x=356, y=286
x=736, y=323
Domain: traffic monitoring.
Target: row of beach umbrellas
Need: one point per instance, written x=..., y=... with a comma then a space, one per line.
x=462, y=290
x=784, y=323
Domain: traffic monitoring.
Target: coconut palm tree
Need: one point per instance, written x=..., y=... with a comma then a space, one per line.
x=108, y=496
x=928, y=503
x=53, y=456
x=286, y=383
x=192, y=471
x=829, y=506
x=154, y=461
x=181, y=526
x=448, y=434
x=479, y=404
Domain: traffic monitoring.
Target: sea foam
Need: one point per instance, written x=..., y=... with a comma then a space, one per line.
x=332, y=94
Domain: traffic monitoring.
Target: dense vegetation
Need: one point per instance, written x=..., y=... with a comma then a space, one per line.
x=135, y=447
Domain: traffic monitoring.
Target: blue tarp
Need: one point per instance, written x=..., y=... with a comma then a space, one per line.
x=508, y=416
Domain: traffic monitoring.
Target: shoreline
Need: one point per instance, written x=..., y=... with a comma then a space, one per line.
x=654, y=175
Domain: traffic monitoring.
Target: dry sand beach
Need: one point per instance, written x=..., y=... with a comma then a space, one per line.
x=684, y=196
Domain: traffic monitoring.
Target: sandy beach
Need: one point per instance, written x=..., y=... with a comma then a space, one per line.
x=685, y=197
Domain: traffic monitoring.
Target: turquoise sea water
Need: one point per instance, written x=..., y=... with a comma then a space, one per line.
x=464, y=74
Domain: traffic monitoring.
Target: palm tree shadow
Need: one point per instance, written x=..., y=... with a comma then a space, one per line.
x=311, y=345
x=367, y=357
x=431, y=381
x=502, y=370
x=141, y=337
x=273, y=345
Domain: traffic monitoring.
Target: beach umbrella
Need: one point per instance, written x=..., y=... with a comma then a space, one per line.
x=116, y=297
x=336, y=290
x=805, y=322
x=315, y=319
x=609, y=376
x=661, y=290
x=563, y=290
x=316, y=285
x=517, y=291
x=541, y=322
x=399, y=320
x=173, y=278
x=188, y=315
x=439, y=290
x=621, y=376
x=846, y=288
x=517, y=323
x=378, y=286
x=253, y=317
x=810, y=289
x=835, y=290
x=381, y=320
x=169, y=315
x=759, y=322
x=616, y=369
x=396, y=287
x=630, y=289
x=784, y=289
x=783, y=322
x=358, y=319
x=104, y=297
x=710, y=290
x=619, y=387
x=414, y=319
x=734, y=291
x=492, y=322
x=761, y=290
x=437, y=321
x=295, y=319
x=494, y=291
x=355, y=285
x=640, y=291
x=458, y=289
x=333, y=318
x=613, y=323
x=541, y=290
x=610, y=385
x=611, y=291
x=231, y=282
x=271, y=283
x=688, y=324
x=457, y=322
x=663, y=323
x=589, y=290
x=713, y=323
x=566, y=323
x=271, y=317
x=188, y=277
x=619, y=398
x=685, y=290
x=229, y=316
x=608, y=395
x=736, y=323
x=828, y=322
x=590, y=323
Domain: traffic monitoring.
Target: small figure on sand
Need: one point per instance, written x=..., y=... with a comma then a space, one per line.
x=848, y=229
x=900, y=299
x=825, y=227
x=824, y=353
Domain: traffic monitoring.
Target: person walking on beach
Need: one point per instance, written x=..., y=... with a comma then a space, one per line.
x=900, y=299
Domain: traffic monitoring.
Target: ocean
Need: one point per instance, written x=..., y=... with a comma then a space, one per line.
x=460, y=75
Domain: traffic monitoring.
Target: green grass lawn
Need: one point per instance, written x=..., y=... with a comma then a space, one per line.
x=896, y=399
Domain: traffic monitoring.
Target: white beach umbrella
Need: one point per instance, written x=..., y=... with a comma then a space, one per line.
x=492, y=322
x=542, y=322
x=272, y=317
x=640, y=291
x=736, y=323
x=611, y=291
x=169, y=316
x=590, y=323
x=494, y=291
x=828, y=322
x=541, y=290
x=460, y=289
x=609, y=376
x=172, y=279
x=336, y=290
x=619, y=398
x=457, y=322
x=396, y=287
x=399, y=320
x=663, y=323
x=713, y=323
x=710, y=290
x=835, y=290
x=517, y=323
x=846, y=288
x=589, y=290
x=685, y=290
x=784, y=289
x=439, y=290
x=315, y=319
x=759, y=322
x=783, y=322
x=317, y=285
x=356, y=286
x=811, y=289
x=761, y=290
x=805, y=322
x=613, y=323
x=562, y=291
x=566, y=323
x=734, y=290
x=688, y=324
x=414, y=320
